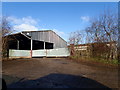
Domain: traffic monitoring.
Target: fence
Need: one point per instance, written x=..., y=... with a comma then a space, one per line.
x=60, y=52
x=19, y=54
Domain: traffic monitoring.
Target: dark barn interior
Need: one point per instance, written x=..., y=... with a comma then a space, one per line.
x=20, y=42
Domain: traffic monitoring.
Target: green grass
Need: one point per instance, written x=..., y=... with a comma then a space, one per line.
x=96, y=59
x=113, y=61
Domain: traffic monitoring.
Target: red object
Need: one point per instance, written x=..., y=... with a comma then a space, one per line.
x=31, y=53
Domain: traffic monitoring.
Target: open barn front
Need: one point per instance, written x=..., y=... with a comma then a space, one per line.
x=36, y=45
x=22, y=48
x=20, y=42
x=39, y=45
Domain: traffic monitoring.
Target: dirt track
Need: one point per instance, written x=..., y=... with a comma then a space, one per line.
x=57, y=72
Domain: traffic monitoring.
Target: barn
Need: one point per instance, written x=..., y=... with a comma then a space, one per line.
x=45, y=43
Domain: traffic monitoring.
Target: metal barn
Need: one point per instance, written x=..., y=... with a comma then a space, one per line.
x=29, y=44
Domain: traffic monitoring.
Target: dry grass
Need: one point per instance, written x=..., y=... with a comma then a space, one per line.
x=96, y=61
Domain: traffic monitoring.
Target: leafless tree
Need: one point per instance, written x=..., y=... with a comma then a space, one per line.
x=118, y=49
x=104, y=29
x=6, y=30
x=75, y=37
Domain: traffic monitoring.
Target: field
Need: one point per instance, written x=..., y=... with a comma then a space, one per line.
x=57, y=73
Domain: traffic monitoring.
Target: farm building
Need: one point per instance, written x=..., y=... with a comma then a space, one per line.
x=37, y=44
x=98, y=49
x=83, y=49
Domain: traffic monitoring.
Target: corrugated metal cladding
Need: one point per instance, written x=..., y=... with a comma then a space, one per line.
x=47, y=36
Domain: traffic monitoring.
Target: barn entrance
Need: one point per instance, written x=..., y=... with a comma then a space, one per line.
x=42, y=45
x=20, y=42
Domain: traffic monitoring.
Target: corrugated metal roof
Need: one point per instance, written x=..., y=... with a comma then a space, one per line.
x=44, y=31
x=47, y=36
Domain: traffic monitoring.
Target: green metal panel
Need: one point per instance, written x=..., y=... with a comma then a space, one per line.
x=19, y=53
x=38, y=53
x=60, y=52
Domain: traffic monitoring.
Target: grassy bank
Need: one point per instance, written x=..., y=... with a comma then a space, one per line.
x=96, y=60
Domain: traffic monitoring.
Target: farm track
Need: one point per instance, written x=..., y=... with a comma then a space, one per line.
x=57, y=73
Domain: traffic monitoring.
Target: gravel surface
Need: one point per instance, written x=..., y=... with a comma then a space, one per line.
x=57, y=73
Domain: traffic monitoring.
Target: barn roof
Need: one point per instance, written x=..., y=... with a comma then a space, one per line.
x=44, y=31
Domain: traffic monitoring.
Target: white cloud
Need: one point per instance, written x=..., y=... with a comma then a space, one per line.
x=85, y=18
x=59, y=32
x=25, y=27
x=23, y=24
x=30, y=24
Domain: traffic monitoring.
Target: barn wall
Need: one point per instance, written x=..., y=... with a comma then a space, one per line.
x=48, y=36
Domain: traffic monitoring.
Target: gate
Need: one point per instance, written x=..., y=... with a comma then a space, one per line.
x=60, y=52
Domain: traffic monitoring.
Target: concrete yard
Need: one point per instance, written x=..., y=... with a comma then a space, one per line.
x=57, y=73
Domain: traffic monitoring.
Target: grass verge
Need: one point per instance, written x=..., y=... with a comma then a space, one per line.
x=97, y=61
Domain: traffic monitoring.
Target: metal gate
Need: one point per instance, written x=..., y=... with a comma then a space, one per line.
x=60, y=52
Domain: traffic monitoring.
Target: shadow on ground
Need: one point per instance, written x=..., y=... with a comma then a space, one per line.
x=57, y=81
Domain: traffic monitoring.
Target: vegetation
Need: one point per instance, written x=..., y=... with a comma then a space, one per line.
x=101, y=38
x=98, y=60
x=6, y=30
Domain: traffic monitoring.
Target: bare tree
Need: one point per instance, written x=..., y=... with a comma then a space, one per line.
x=118, y=49
x=6, y=30
x=104, y=29
x=75, y=37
